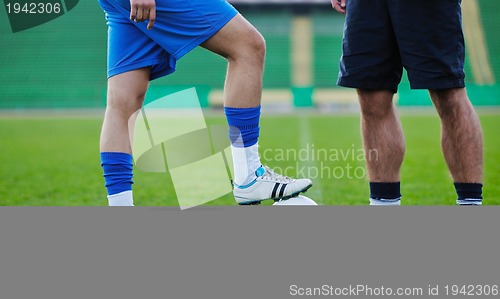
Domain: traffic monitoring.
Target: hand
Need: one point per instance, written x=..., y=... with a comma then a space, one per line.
x=141, y=10
x=339, y=5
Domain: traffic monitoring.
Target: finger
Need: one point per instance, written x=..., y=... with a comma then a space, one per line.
x=152, y=18
x=145, y=14
x=337, y=5
x=338, y=8
x=343, y=4
x=140, y=14
x=133, y=12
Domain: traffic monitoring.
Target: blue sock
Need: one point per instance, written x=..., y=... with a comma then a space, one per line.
x=117, y=169
x=244, y=135
x=469, y=194
x=244, y=123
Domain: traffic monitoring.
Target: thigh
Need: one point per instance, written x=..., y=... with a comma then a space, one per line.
x=181, y=25
x=431, y=42
x=228, y=39
x=129, y=48
x=370, y=57
x=126, y=91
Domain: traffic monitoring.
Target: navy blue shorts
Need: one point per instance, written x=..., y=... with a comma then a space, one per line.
x=383, y=36
x=180, y=26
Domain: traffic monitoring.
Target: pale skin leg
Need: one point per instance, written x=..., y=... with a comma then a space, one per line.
x=461, y=135
x=239, y=42
x=245, y=49
x=382, y=135
x=125, y=96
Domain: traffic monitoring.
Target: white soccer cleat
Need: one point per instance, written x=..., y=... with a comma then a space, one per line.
x=269, y=185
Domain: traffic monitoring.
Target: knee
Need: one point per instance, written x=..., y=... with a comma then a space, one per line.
x=252, y=46
x=125, y=102
x=447, y=94
x=449, y=102
x=375, y=104
x=258, y=45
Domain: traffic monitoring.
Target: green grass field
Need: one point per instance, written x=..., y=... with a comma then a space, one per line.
x=55, y=161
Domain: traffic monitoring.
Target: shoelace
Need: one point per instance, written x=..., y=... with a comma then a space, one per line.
x=272, y=176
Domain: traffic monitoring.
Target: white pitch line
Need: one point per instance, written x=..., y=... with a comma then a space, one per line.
x=316, y=192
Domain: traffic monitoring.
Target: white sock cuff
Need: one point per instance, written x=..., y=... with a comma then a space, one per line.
x=385, y=202
x=124, y=198
x=470, y=202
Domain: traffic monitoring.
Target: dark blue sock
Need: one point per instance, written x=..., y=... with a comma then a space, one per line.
x=385, y=190
x=117, y=169
x=243, y=125
x=469, y=193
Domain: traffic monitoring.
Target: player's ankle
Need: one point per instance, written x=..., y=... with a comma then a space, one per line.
x=469, y=194
x=385, y=193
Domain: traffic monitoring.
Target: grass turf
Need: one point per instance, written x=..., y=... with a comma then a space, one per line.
x=55, y=162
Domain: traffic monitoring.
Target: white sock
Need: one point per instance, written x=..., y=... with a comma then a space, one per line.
x=124, y=198
x=385, y=202
x=246, y=160
x=469, y=202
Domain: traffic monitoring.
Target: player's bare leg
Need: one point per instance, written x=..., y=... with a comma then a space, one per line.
x=384, y=144
x=126, y=93
x=125, y=96
x=245, y=49
x=462, y=142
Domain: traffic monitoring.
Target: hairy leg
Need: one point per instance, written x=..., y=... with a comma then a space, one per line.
x=245, y=49
x=461, y=134
x=125, y=96
x=382, y=134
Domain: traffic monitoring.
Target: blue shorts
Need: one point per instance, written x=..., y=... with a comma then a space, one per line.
x=383, y=36
x=180, y=26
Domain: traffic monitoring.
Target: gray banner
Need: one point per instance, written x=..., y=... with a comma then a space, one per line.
x=246, y=252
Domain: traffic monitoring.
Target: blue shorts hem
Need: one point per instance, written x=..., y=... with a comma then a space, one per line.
x=161, y=73
x=144, y=63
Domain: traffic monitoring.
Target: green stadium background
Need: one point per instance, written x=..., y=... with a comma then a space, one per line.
x=62, y=64
x=53, y=88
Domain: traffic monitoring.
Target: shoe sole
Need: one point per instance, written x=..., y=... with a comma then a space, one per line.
x=257, y=202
